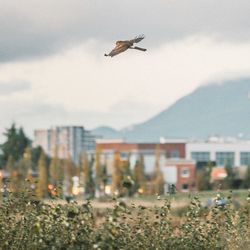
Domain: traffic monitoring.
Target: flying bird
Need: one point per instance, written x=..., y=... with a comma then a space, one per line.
x=122, y=46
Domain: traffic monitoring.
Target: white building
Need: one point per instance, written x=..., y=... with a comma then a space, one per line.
x=66, y=140
x=222, y=151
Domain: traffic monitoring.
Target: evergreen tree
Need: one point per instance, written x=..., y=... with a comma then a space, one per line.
x=229, y=180
x=23, y=166
x=139, y=175
x=104, y=174
x=87, y=169
x=27, y=161
x=55, y=170
x=246, y=181
x=158, y=183
x=35, y=154
x=10, y=169
x=69, y=173
x=98, y=172
x=116, y=173
x=127, y=180
x=42, y=190
x=20, y=174
x=126, y=170
x=204, y=178
x=15, y=144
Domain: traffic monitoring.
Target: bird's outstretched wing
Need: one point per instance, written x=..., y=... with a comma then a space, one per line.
x=117, y=50
x=137, y=39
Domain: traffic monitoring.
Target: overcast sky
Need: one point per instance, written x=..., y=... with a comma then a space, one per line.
x=53, y=72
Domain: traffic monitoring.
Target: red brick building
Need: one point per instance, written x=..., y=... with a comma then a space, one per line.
x=181, y=173
x=171, y=149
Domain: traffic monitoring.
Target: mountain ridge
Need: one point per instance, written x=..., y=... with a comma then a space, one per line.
x=222, y=109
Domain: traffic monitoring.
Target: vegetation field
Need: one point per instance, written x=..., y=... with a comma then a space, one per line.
x=28, y=223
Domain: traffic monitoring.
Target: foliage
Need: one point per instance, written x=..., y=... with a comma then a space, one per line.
x=15, y=144
x=246, y=182
x=98, y=172
x=26, y=223
x=35, y=154
x=42, y=185
x=70, y=171
x=87, y=170
x=139, y=175
x=229, y=180
x=158, y=179
x=116, y=173
x=204, y=178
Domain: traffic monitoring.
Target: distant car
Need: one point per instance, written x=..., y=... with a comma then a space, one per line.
x=221, y=202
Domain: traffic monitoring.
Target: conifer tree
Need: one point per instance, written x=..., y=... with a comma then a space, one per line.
x=126, y=170
x=10, y=168
x=98, y=172
x=127, y=180
x=15, y=144
x=35, y=154
x=69, y=173
x=54, y=169
x=27, y=158
x=23, y=166
x=104, y=173
x=87, y=169
x=246, y=181
x=229, y=180
x=158, y=175
x=42, y=189
x=204, y=178
x=139, y=174
x=116, y=173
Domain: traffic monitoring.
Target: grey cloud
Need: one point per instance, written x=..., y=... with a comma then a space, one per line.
x=40, y=28
x=11, y=87
x=37, y=115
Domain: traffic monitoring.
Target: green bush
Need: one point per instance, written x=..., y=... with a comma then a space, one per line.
x=27, y=223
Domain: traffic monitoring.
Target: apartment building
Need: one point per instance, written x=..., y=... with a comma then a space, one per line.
x=65, y=141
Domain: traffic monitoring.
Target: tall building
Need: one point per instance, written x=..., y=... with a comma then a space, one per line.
x=66, y=140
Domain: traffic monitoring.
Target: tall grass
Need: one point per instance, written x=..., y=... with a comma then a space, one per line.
x=28, y=223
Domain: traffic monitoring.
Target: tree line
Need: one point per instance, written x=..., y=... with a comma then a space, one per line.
x=27, y=166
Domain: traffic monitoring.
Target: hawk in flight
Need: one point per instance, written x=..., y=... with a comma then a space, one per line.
x=121, y=46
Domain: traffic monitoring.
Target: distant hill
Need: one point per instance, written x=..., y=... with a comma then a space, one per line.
x=106, y=132
x=214, y=109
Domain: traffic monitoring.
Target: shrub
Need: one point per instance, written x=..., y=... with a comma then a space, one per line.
x=28, y=223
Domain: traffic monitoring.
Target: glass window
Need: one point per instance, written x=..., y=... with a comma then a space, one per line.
x=185, y=187
x=225, y=158
x=184, y=172
x=174, y=154
x=200, y=156
x=245, y=158
x=124, y=155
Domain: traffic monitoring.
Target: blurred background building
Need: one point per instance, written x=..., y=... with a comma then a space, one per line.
x=65, y=141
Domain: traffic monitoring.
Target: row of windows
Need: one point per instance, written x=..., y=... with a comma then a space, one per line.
x=173, y=154
x=245, y=158
x=222, y=158
x=200, y=156
x=225, y=158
